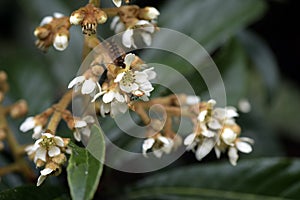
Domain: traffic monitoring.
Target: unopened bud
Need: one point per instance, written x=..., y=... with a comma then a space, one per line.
x=41, y=32
x=2, y=134
x=76, y=17
x=3, y=76
x=101, y=17
x=59, y=159
x=148, y=13
x=19, y=109
x=60, y=42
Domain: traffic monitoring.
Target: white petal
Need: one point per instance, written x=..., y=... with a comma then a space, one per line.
x=231, y=112
x=228, y=136
x=214, y=124
x=41, y=154
x=158, y=153
x=89, y=119
x=164, y=140
x=219, y=113
x=28, y=124
x=204, y=149
x=88, y=86
x=168, y=147
x=80, y=123
x=53, y=151
x=60, y=42
x=192, y=100
x=218, y=152
x=108, y=97
x=76, y=80
x=233, y=155
x=120, y=27
x=152, y=12
x=86, y=131
x=208, y=133
x=189, y=139
x=212, y=102
x=114, y=22
x=129, y=58
x=119, y=77
x=77, y=136
x=147, y=38
x=117, y=2
x=140, y=77
x=46, y=171
x=46, y=20
x=48, y=135
x=148, y=143
x=59, y=141
x=119, y=97
x=58, y=15
x=127, y=39
x=202, y=115
x=150, y=73
x=40, y=180
x=246, y=139
x=243, y=147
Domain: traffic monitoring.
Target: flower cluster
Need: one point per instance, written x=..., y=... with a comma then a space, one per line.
x=132, y=19
x=53, y=31
x=88, y=17
x=48, y=151
x=215, y=128
x=125, y=85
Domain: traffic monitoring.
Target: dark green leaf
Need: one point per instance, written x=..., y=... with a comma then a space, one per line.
x=262, y=57
x=84, y=170
x=269, y=178
x=32, y=192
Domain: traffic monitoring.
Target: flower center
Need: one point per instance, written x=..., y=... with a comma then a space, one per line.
x=128, y=78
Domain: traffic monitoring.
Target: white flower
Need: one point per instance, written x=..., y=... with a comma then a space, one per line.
x=241, y=144
x=151, y=13
x=83, y=127
x=228, y=136
x=159, y=145
x=225, y=113
x=143, y=28
x=30, y=123
x=88, y=86
x=48, y=144
x=117, y=2
x=60, y=42
x=44, y=173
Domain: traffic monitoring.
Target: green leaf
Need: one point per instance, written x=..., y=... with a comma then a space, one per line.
x=268, y=178
x=84, y=169
x=262, y=57
x=32, y=192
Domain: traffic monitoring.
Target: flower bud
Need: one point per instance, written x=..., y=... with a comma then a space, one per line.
x=148, y=13
x=3, y=76
x=2, y=134
x=101, y=17
x=76, y=17
x=60, y=42
x=19, y=109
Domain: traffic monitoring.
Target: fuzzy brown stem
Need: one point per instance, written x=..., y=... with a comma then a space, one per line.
x=61, y=105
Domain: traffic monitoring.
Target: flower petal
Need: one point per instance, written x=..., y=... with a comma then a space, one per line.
x=148, y=143
x=192, y=100
x=46, y=171
x=214, y=124
x=53, y=151
x=60, y=42
x=28, y=124
x=202, y=115
x=59, y=141
x=129, y=58
x=76, y=80
x=119, y=77
x=114, y=22
x=80, y=123
x=77, y=136
x=108, y=97
x=40, y=154
x=46, y=20
x=147, y=38
x=204, y=149
x=88, y=86
x=40, y=180
x=127, y=39
x=228, y=136
x=117, y=2
x=189, y=139
x=243, y=147
x=233, y=155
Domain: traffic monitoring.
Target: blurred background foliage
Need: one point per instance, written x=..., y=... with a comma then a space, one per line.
x=253, y=42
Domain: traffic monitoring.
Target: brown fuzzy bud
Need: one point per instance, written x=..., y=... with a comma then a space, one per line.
x=19, y=109
x=59, y=159
x=2, y=134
